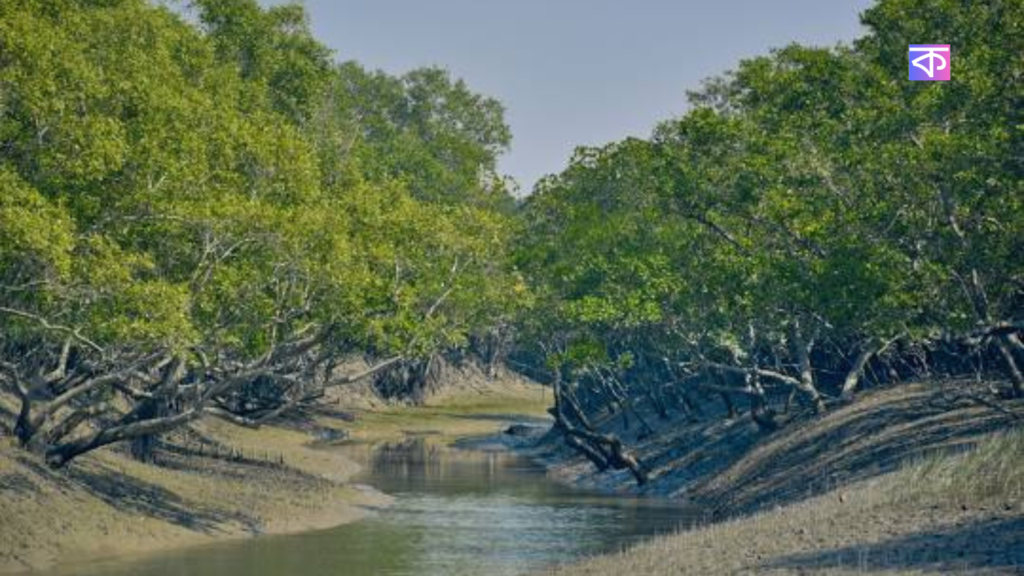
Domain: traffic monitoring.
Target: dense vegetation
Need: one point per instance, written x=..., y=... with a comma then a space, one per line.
x=209, y=215
x=209, y=218
x=814, y=217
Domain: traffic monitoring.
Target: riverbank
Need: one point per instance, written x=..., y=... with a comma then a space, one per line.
x=107, y=504
x=909, y=479
x=947, y=515
x=220, y=481
x=870, y=486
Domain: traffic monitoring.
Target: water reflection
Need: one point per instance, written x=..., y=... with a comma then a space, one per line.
x=456, y=512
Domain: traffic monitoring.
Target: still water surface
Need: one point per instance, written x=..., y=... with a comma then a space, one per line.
x=456, y=512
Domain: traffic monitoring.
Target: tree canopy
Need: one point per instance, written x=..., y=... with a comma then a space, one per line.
x=209, y=214
x=188, y=209
x=812, y=210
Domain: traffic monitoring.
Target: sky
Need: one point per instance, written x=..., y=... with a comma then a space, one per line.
x=575, y=72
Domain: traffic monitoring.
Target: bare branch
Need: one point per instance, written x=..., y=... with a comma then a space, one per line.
x=348, y=379
x=47, y=325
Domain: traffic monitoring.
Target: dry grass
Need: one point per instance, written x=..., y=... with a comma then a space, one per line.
x=960, y=514
x=993, y=471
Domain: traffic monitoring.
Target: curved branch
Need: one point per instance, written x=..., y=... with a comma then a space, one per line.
x=348, y=379
x=47, y=325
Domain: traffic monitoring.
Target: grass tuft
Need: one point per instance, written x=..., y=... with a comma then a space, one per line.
x=993, y=470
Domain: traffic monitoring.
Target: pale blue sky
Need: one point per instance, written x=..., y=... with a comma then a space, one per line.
x=575, y=72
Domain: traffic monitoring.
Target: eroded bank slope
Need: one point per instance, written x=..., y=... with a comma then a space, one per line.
x=961, y=514
x=912, y=479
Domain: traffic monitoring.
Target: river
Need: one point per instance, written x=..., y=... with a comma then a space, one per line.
x=456, y=512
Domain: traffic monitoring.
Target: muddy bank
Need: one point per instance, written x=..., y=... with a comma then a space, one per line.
x=910, y=479
x=733, y=468
x=522, y=436
x=107, y=504
x=961, y=514
x=866, y=531
x=220, y=481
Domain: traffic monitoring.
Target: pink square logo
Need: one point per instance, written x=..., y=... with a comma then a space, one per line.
x=930, y=62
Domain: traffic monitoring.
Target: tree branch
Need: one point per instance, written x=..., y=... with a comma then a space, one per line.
x=47, y=325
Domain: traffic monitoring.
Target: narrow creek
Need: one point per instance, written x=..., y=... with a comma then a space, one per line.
x=456, y=512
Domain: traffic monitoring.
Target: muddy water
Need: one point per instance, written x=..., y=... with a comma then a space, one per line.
x=456, y=512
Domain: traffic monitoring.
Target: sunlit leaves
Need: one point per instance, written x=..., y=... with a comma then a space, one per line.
x=811, y=184
x=227, y=185
x=36, y=235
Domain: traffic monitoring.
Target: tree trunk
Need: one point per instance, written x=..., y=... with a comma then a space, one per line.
x=142, y=448
x=1005, y=346
x=601, y=449
x=569, y=400
x=59, y=455
x=651, y=388
x=618, y=457
x=763, y=416
x=71, y=422
x=730, y=408
x=626, y=401
x=802, y=350
x=23, y=427
x=595, y=457
x=852, y=379
x=1016, y=345
x=33, y=418
x=870, y=349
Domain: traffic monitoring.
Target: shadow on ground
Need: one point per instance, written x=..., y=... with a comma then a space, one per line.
x=734, y=468
x=139, y=497
x=854, y=443
x=18, y=484
x=994, y=545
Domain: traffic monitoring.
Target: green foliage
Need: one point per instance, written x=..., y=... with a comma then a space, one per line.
x=425, y=130
x=812, y=186
x=36, y=236
x=225, y=187
x=224, y=191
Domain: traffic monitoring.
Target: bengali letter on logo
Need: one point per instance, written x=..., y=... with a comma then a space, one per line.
x=930, y=62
